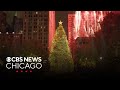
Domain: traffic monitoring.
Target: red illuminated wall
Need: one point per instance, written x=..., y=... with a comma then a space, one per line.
x=70, y=30
x=51, y=27
x=87, y=23
x=70, y=27
x=84, y=25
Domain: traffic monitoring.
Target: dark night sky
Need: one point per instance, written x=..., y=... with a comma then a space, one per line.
x=10, y=15
x=62, y=15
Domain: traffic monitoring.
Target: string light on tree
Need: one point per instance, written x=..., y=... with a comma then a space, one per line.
x=60, y=56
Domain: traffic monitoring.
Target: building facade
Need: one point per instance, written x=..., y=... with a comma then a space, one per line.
x=51, y=27
x=38, y=32
x=4, y=26
x=10, y=44
x=17, y=24
x=70, y=31
x=36, y=29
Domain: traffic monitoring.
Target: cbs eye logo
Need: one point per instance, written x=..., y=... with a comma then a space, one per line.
x=8, y=59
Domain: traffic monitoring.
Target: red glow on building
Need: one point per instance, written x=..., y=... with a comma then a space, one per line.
x=86, y=23
x=51, y=27
x=71, y=30
x=70, y=27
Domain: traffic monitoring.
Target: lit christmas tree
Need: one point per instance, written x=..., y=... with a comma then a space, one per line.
x=60, y=56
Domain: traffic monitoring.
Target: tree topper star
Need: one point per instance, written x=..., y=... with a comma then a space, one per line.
x=60, y=23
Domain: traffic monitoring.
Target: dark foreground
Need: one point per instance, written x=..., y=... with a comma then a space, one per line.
x=81, y=75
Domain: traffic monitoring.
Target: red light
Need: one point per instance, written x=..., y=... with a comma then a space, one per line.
x=21, y=71
x=51, y=26
x=26, y=71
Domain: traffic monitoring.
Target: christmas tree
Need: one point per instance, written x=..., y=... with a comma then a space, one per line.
x=60, y=56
